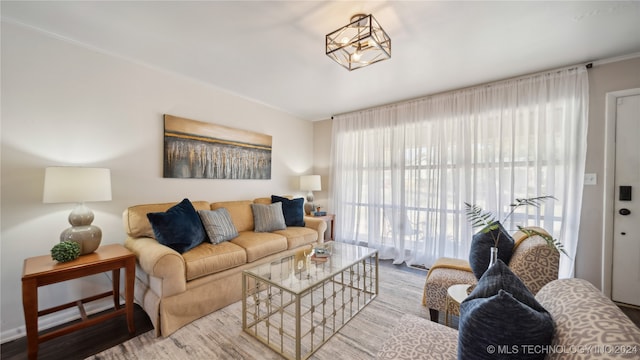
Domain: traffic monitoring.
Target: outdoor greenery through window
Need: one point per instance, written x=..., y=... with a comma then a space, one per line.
x=402, y=173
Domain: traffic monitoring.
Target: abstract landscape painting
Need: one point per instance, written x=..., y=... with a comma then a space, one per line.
x=196, y=149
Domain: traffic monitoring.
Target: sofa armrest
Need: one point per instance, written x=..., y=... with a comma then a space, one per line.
x=161, y=262
x=586, y=319
x=318, y=225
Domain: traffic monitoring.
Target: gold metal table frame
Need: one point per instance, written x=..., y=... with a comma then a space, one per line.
x=294, y=305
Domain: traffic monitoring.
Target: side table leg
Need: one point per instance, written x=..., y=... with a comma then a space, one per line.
x=130, y=275
x=115, y=277
x=30, y=307
x=333, y=237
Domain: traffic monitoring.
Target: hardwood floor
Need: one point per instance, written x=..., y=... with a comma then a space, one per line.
x=84, y=343
x=632, y=312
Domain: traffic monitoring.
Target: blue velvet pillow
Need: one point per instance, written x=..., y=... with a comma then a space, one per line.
x=480, y=251
x=502, y=319
x=292, y=209
x=179, y=227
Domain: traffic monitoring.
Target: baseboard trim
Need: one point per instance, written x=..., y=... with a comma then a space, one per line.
x=58, y=318
x=419, y=267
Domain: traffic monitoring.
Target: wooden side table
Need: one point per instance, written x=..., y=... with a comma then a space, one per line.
x=330, y=218
x=43, y=270
x=455, y=295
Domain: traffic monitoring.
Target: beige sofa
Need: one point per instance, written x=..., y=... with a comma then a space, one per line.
x=587, y=326
x=175, y=289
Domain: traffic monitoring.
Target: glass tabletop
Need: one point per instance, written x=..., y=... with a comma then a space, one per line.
x=297, y=273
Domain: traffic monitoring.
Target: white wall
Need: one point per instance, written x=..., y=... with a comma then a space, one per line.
x=63, y=104
x=322, y=161
x=604, y=78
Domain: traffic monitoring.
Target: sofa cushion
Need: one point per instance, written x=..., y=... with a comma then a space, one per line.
x=136, y=223
x=480, y=251
x=218, y=225
x=494, y=315
x=208, y=259
x=179, y=227
x=298, y=236
x=259, y=245
x=292, y=209
x=267, y=218
x=240, y=212
x=416, y=338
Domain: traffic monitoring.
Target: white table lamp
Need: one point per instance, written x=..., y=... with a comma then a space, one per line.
x=78, y=185
x=310, y=183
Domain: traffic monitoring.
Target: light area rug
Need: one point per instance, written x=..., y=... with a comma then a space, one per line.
x=220, y=336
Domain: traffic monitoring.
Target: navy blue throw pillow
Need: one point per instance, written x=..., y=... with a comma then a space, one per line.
x=480, y=251
x=179, y=227
x=501, y=319
x=292, y=209
x=500, y=277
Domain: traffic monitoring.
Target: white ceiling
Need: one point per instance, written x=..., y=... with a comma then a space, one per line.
x=273, y=51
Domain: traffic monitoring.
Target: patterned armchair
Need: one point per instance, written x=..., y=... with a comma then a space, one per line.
x=533, y=261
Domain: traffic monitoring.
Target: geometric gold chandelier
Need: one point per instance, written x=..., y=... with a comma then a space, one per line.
x=361, y=43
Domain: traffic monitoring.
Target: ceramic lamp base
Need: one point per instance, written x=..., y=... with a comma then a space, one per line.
x=308, y=206
x=82, y=232
x=87, y=236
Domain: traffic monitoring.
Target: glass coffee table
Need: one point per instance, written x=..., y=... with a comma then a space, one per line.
x=295, y=304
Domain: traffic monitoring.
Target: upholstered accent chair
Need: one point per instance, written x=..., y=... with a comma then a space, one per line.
x=533, y=261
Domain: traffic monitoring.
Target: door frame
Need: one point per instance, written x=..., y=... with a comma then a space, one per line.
x=609, y=185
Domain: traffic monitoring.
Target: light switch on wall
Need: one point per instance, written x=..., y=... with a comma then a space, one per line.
x=590, y=179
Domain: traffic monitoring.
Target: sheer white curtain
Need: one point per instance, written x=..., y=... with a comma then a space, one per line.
x=401, y=173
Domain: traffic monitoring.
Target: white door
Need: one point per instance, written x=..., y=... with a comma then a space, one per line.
x=626, y=237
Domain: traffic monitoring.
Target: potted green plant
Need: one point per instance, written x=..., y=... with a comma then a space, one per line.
x=491, y=228
x=65, y=251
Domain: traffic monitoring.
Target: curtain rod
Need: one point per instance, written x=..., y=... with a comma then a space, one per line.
x=588, y=65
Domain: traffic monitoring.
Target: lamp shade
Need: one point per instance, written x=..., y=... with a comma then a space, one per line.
x=310, y=183
x=68, y=184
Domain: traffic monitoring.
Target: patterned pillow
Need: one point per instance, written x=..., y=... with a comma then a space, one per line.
x=218, y=225
x=179, y=227
x=502, y=319
x=267, y=218
x=292, y=209
x=480, y=251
